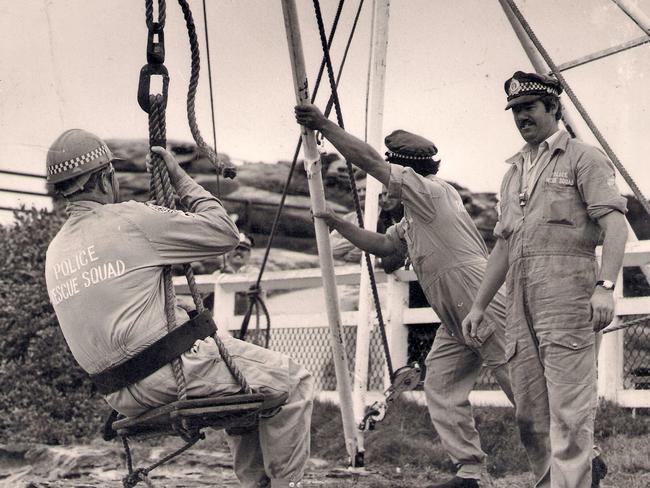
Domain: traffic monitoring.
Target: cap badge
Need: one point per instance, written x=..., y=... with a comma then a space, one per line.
x=514, y=88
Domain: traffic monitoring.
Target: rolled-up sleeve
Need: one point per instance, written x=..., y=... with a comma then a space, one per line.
x=596, y=180
x=499, y=228
x=416, y=192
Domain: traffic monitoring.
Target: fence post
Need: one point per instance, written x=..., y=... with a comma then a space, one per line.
x=223, y=310
x=396, y=331
x=610, y=356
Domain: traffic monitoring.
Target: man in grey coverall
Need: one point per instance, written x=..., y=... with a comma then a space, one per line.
x=449, y=258
x=557, y=197
x=104, y=274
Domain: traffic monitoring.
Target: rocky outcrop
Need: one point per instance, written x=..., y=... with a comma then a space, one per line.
x=253, y=196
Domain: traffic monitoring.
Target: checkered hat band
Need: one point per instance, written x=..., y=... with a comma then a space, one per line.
x=392, y=154
x=70, y=164
x=533, y=86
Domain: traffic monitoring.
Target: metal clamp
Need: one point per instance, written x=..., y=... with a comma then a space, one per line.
x=144, y=84
x=405, y=378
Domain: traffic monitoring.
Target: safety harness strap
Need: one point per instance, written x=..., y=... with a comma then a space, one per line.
x=155, y=356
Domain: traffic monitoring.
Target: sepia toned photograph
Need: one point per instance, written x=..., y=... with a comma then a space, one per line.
x=324, y=243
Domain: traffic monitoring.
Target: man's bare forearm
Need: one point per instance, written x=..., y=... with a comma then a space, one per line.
x=495, y=275
x=615, y=229
x=356, y=151
x=372, y=242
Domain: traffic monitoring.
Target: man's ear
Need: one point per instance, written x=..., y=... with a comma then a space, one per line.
x=555, y=105
x=105, y=181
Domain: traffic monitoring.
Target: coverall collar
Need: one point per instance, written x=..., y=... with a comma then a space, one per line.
x=82, y=206
x=559, y=141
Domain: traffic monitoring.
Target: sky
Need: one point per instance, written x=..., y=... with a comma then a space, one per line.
x=75, y=63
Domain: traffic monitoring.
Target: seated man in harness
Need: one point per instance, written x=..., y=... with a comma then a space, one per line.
x=104, y=273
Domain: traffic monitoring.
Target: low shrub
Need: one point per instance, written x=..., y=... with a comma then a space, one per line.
x=44, y=395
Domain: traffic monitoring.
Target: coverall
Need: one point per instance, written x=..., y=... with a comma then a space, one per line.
x=551, y=234
x=104, y=272
x=449, y=259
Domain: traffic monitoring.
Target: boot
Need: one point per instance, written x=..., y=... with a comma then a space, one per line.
x=598, y=471
x=457, y=482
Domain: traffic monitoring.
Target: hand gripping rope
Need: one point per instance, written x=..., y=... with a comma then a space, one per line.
x=407, y=377
x=162, y=192
x=255, y=289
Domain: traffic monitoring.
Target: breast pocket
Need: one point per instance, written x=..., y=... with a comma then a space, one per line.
x=559, y=205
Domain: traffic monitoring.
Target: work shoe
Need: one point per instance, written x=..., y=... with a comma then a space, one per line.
x=598, y=471
x=457, y=482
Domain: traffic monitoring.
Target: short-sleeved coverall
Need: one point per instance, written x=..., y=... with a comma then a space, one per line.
x=449, y=258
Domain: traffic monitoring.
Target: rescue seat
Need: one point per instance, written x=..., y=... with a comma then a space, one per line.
x=237, y=414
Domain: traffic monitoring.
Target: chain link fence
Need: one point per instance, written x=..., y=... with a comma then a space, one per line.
x=311, y=348
x=636, y=357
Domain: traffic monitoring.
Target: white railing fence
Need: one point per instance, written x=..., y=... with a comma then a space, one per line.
x=300, y=328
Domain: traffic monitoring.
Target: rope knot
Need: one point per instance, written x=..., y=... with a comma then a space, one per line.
x=254, y=292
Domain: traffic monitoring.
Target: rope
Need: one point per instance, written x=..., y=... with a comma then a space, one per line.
x=255, y=301
x=601, y=140
x=212, y=155
x=162, y=14
x=228, y=172
x=627, y=324
x=214, y=126
x=142, y=474
x=163, y=194
x=353, y=186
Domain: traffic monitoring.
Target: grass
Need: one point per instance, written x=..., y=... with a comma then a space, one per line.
x=405, y=439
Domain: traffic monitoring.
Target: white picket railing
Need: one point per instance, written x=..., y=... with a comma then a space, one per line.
x=398, y=316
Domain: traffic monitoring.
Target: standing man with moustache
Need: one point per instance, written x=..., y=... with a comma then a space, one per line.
x=557, y=198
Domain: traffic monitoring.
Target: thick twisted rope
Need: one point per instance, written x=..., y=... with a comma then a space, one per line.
x=587, y=118
x=212, y=155
x=357, y=204
x=191, y=91
x=163, y=194
x=163, y=187
x=162, y=14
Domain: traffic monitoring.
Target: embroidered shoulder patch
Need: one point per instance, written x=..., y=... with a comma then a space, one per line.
x=160, y=209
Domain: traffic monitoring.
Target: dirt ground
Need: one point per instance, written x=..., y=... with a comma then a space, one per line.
x=101, y=464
